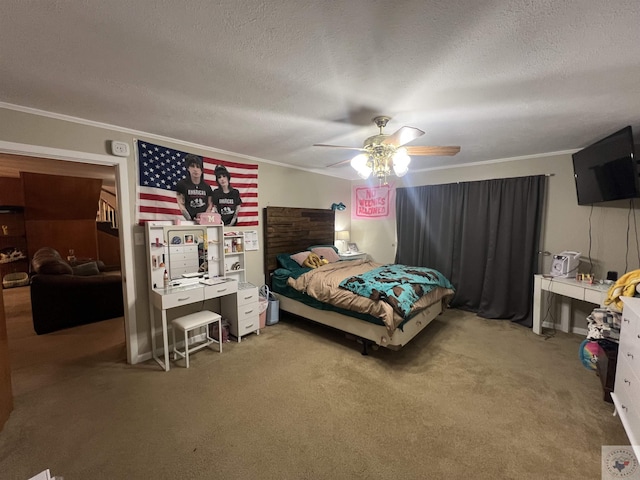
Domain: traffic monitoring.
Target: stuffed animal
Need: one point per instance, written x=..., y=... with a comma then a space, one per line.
x=314, y=261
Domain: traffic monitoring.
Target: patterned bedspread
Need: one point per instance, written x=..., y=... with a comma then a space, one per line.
x=323, y=284
x=399, y=285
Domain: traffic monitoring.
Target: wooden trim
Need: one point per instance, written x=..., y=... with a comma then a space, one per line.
x=6, y=395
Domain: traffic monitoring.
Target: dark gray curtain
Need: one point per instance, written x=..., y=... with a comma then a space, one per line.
x=482, y=235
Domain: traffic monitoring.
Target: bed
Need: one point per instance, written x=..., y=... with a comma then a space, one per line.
x=316, y=294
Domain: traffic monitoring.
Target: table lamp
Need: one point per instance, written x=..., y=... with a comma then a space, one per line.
x=343, y=237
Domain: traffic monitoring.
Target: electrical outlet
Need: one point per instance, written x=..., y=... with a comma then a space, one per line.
x=120, y=149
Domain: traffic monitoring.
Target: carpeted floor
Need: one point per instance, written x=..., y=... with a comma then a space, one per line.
x=467, y=398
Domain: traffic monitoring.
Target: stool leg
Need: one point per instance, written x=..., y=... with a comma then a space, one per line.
x=186, y=347
x=173, y=337
x=220, y=335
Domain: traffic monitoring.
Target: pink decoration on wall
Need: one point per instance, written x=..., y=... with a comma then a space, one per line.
x=373, y=202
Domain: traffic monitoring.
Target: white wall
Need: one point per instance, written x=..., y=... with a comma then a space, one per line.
x=566, y=224
x=277, y=186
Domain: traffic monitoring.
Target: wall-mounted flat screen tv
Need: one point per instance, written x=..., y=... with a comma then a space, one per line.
x=607, y=170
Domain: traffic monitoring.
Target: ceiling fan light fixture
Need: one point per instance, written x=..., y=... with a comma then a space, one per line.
x=362, y=165
x=401, y=162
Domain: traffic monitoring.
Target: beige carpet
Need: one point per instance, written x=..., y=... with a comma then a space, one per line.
x=468, y=398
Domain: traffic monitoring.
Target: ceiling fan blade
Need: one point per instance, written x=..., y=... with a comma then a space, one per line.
x=403, y=135
x=435, y=151
x=340, y=164
x=337, y=146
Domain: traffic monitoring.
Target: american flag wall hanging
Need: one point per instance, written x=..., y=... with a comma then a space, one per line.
x=161, y=168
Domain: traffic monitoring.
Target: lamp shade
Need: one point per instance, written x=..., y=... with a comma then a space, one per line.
x=342, y=235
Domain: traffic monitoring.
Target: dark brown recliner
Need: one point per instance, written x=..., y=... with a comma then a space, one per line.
x=64, y=297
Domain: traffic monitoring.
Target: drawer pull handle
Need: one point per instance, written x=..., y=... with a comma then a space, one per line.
x=183, y=299
x=249, y=326
x=625, y=320
x=630, y=355
x=247, y=298
x=624, y=407
x=627, y=381
x=220, y=291
x=248, y=312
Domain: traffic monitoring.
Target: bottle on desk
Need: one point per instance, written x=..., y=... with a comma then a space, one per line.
x=166, y=279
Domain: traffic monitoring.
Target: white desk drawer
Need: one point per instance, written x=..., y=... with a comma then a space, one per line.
x=182, y=298
x=594, y=296
x=248, y=310
x=567, y=290
x=247, y=325
x=221, y=289
x=247, y=295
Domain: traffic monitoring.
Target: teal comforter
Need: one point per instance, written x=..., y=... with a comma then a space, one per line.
x=398, y=285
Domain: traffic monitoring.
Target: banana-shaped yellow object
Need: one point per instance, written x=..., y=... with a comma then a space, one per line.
x=314, y=261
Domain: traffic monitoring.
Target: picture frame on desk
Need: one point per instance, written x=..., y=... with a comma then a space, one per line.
x=353, y=247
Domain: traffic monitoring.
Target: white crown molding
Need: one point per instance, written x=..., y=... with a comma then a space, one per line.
x=500, y=160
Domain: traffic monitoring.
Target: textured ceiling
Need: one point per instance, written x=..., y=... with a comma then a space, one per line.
x=267, y=79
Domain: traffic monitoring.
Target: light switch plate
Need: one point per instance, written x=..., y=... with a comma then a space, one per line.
x=120, y=149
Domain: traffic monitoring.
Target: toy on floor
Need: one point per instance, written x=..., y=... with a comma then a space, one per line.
x=588, y=352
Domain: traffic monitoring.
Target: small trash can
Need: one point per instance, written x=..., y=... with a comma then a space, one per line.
x=262, y=309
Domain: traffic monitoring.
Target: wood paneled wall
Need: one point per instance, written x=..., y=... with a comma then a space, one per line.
x=60, y=212
x=11, y=193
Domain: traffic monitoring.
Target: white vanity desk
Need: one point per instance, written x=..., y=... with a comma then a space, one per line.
x=191, y=291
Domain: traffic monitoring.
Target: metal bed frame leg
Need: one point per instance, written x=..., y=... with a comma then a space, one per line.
x=365, y=342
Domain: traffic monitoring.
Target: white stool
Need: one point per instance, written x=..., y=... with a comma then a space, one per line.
x=190, y=322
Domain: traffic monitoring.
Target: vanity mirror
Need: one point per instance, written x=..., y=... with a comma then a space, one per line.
x=184, y=251
x=187, y=252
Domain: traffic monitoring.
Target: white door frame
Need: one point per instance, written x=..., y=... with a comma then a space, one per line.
x=124, y=220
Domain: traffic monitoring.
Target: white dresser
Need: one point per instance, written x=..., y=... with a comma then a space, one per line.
x=626, y=393
x=242, y=310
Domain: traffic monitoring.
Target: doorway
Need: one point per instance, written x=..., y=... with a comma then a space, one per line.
x=78, y=160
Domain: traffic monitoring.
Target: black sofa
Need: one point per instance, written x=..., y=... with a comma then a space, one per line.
x=63, y=296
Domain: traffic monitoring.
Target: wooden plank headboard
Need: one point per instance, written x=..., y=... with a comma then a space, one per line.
x=291, y=230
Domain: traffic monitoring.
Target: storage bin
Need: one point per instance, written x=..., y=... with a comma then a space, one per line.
x=18, y=279
x=273, y=308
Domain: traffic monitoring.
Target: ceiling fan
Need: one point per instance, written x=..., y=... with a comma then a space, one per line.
x=381, y=153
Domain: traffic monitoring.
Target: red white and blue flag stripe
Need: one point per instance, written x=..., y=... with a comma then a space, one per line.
x=161, y=168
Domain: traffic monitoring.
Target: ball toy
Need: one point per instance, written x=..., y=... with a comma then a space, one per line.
x=589, y=354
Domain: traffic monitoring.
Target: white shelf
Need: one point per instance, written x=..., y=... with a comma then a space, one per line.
x=233, y=250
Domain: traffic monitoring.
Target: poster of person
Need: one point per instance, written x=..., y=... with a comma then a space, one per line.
x=173, y=184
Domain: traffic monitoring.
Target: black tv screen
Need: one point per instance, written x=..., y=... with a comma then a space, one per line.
x=607, y=169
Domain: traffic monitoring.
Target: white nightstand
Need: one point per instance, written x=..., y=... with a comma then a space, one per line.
x=352, y=255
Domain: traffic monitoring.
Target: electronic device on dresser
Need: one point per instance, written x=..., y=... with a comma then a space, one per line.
x=565, y=264
x=607, y=170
